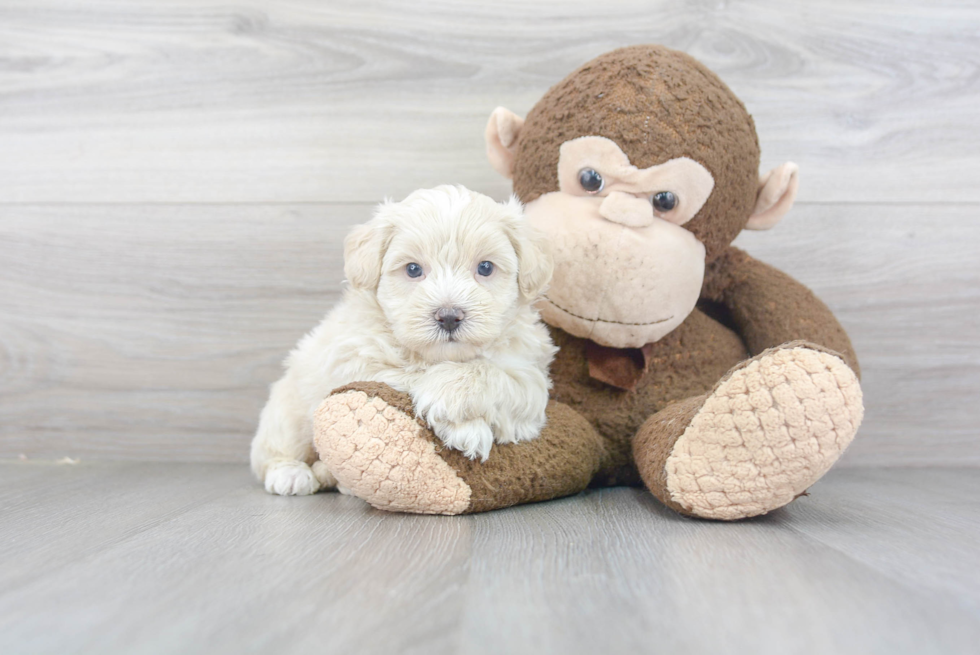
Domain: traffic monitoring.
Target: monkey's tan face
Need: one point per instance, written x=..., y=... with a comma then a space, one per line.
x=626, y=272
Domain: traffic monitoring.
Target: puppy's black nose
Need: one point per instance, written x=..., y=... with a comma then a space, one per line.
x=449, y=318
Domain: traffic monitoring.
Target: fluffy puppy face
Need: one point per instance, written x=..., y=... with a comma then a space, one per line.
x=450, y=269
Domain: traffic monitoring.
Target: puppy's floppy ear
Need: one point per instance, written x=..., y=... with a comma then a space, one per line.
x=364, y=248
x=534, y=262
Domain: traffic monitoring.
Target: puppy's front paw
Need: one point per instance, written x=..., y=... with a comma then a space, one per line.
x=474, y=438
x=510, y=429
x=291, y=478
x=524, y=431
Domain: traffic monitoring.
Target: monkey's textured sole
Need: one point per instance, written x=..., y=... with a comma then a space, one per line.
x=379, y=453
x=765, y=434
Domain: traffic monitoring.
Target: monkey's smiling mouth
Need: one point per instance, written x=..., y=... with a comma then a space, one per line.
x=602, y=320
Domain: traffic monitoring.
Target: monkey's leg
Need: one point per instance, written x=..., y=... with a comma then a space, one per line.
x=369, y=438
x=767, y=431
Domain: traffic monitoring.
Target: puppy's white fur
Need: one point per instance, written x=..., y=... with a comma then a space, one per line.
x=486, y=382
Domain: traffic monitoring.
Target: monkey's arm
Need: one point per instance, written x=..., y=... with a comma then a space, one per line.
x=769, y=308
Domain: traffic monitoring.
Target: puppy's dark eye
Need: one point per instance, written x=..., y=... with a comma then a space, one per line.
x=664, y=201
x=413, y=270
x=590, y=180
x=485, y=268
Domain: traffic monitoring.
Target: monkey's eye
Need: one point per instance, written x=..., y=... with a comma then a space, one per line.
x=485, y=268
x=590, y=180
x=664, y=201
x=413, y=270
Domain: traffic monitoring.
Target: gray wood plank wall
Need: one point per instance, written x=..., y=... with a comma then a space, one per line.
x=176, y=177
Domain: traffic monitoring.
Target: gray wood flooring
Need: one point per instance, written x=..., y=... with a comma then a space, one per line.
x=196, y=558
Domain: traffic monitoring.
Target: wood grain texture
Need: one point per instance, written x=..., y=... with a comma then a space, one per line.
x=262, y=101
x=164, y=558
x=152, y=332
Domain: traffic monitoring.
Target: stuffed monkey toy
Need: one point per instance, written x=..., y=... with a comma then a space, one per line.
x=718, y=382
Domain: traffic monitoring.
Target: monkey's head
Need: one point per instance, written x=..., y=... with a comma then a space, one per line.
x=641, y=167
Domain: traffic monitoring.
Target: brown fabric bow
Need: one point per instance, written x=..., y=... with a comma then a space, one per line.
x=622, y=368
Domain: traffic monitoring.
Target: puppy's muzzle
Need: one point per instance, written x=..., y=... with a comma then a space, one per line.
x=450, y=318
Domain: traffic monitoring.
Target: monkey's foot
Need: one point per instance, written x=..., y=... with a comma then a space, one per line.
x=369, y=438
x=767, y=431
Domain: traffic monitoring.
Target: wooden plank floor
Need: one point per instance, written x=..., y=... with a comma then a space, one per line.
x=196, y=558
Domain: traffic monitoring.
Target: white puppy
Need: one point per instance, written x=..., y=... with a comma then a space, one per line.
x=440, y=306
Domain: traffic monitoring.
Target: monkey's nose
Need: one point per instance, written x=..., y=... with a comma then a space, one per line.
x=626, y=209
x=449, y=318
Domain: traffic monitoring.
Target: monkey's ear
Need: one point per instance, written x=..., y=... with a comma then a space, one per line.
x=363, y=250
x=777, y=192
x=501, y=135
